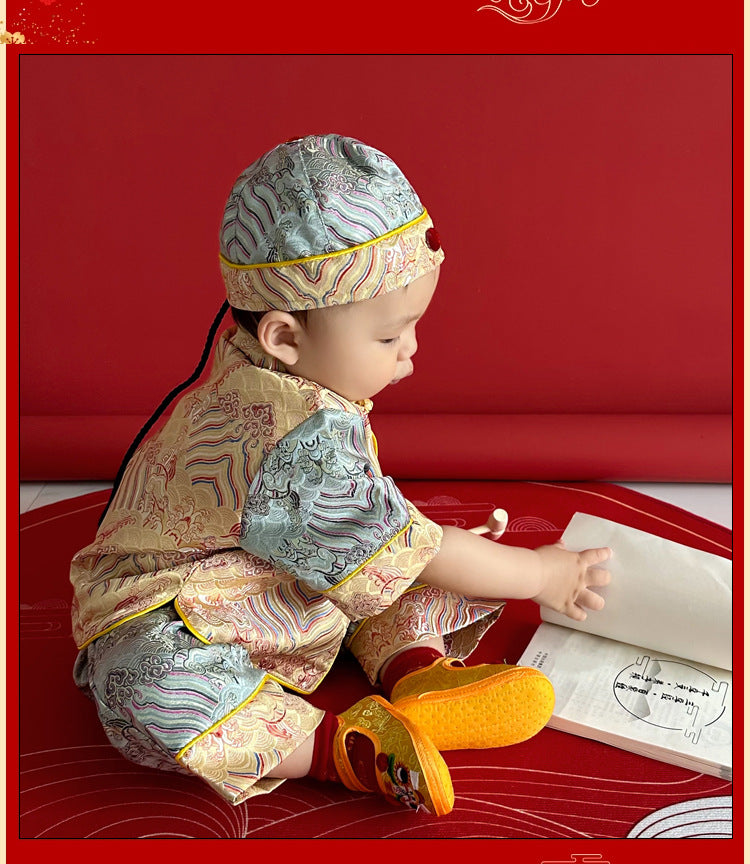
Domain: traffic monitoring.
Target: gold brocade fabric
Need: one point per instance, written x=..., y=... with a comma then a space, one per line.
x=235, y=757
x=193, y=501
x=172, y=530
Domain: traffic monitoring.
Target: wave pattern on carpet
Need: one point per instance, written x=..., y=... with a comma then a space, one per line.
x=73, y=784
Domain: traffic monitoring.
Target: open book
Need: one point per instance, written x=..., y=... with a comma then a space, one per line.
x=651, y=672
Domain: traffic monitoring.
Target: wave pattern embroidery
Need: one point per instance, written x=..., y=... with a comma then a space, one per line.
x=317, y=508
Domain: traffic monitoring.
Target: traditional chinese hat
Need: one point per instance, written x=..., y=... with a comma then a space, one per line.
x=321, y=221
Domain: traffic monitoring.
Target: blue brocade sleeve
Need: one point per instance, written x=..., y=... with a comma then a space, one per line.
x=318, y=506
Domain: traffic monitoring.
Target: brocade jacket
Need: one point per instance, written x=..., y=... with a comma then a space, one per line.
x=258, y=509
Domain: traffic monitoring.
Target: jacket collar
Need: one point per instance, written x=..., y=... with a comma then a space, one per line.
x=242, y=341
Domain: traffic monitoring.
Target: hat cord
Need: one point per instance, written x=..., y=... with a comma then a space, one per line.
x=165, y=402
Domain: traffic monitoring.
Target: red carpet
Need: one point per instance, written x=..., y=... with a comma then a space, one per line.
x=74, y=785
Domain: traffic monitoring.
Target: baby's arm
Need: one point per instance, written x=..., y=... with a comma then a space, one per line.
x=551, y=575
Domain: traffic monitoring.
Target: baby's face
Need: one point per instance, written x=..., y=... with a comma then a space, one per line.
x=358, y=349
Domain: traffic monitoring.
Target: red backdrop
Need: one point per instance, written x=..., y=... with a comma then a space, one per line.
x=584, y=202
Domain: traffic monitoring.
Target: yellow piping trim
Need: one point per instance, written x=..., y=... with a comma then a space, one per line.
x=188, y=625
x=122, y=621
x=219, y=722
x=371, y=558
x=266, y=264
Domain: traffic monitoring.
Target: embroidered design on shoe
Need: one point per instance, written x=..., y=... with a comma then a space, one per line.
x=404, y=783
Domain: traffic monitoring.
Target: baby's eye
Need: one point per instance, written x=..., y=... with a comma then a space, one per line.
x=389, y=341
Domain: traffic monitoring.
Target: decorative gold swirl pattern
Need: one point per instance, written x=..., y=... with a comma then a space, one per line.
x=528, y=11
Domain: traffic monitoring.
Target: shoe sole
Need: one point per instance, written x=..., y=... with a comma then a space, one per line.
x=499, y=711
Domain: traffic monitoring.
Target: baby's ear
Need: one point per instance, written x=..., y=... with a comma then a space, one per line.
x=278, y=334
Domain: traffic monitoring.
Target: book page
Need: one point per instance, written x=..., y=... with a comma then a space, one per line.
x=663, y=595
x=645, y=701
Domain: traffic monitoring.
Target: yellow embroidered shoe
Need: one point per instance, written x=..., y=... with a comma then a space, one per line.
x=472, y=707
x=408, y=768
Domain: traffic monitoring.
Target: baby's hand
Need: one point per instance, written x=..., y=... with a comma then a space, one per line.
x=568, y=578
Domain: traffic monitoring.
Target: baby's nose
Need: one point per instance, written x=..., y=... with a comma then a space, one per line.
x=408, y=346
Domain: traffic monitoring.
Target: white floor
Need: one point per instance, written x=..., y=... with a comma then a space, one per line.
x=33, y=495
x=711, y=500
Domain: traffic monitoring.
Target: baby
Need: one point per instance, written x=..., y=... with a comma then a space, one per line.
x=254, y=534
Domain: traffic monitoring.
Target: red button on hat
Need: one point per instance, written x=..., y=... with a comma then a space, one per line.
x=432, y=238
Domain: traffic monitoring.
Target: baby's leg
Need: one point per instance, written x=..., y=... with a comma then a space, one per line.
x=169, y=701
x=458, y=707
x=297, y=763
x=422, y=616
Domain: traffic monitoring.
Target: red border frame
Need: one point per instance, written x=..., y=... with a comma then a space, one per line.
x=420, y=26
x=607, y=26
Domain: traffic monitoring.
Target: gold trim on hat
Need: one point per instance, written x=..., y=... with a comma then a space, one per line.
x=346, y=276
x=348, y=250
